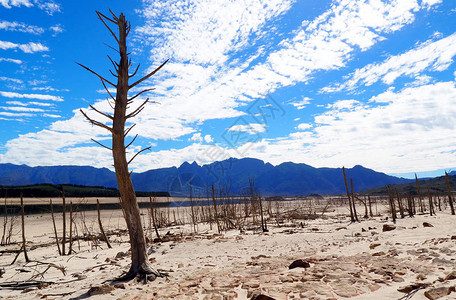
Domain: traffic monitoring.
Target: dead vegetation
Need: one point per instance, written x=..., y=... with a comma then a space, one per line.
x=200, y=218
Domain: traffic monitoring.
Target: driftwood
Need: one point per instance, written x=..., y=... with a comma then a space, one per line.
x=20, y=285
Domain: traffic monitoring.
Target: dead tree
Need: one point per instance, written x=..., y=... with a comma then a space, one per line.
x=5, y=223
x=140, y=265
x=55, y=228
x=370, y=204
x=23, y=247
x=392, y=205
x=352, y=217
x=353, y=200
x=450, y=198
x=100, y=224
x=64, y=221
x=419, y=194
x=399, y=203
x=153, y=216
x=431, y=204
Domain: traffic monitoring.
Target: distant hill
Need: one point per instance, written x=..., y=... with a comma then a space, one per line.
x=77, y=191
x=434, y=185
x=232, y=174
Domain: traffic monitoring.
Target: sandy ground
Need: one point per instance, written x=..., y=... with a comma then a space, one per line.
x=357, y=260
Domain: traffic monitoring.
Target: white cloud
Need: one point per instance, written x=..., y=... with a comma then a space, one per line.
x=5, y=45
x=16, y=3
x=54, y=116
x=304, y=126
x=48, y=6
x=431, y=55
x=15, y=80
x=48, y=88
x=29, y=103
x=198, y=37
x=204, y=82
x=344, y=104
x=16, y=61
x=392, y=137
x=56, y=29
x=26, y=48
x=33, y=47
x=31, y=96
x=12, y=114
x=253, y=128
x=196, y=138
x=21, y=108
x=430, y=3
x=301, y=104
x=208, y=138
x=20, y=27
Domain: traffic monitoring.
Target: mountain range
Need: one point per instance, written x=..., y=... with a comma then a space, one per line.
x=232, y=174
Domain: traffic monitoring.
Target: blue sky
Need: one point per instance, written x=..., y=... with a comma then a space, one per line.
x=326, y=83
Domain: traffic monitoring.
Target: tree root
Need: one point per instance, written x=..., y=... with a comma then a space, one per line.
x=143, y=273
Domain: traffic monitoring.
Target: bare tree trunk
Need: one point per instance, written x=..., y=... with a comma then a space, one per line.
x=353, y=200
x=55, y=228
x=410, y=204
x=153, y=216
x=192, y=210
x=431, y=204
x=450, y=198
x=23, y=247
x=64, y=222
x=100, y=224
x=352, y=217
x=5, y=223
x=370, y=205
x=70, y=246
x=399, y=203
x=392, y=206
x=419, y=194
x=215, y=209
x=140, y=265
